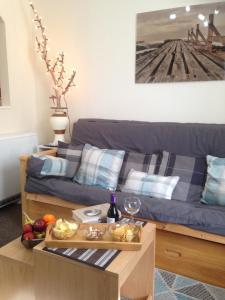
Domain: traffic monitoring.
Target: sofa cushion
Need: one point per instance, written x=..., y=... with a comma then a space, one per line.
x=100, y=167
x=157, y=186
x=46, y=165
x=195, y=215
x=72, y=154
x=40, y=166
x=188, y=139
x=214, y=191
x=54, y=166
x=192, y=173
x=148, y=163
x=34, y=166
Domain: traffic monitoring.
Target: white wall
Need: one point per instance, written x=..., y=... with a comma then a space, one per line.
x=4, y=78
x=99, y=37
x=11, y=147
x=28, y=111
x=20, y=116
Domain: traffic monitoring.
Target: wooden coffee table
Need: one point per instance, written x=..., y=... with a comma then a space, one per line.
x=53, y=277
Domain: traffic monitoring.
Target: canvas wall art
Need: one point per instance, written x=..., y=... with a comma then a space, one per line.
x=181, y=44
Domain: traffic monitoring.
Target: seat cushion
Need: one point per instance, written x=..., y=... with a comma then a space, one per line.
x=195, y=215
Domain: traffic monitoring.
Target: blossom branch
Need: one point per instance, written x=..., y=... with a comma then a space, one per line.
x=61, y=70
x=70, y=83
x=55, y=68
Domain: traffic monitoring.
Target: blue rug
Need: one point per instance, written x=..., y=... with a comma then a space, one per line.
x=170, y=286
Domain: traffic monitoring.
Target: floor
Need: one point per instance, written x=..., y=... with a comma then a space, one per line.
x=168, y=286
x=10, y=223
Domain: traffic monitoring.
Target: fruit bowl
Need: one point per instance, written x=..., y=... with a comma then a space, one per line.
x=34, y=230
x=29, y=244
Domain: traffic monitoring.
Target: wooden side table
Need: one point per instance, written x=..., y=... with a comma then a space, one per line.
x=41, y=275
x=131, y=274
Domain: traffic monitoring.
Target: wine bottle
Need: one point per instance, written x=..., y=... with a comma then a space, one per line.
x=112, y=214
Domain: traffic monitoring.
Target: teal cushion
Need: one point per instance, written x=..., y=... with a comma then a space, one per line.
x=53, y=166
x=157, y=186
x=214, y=191
x=100, y=167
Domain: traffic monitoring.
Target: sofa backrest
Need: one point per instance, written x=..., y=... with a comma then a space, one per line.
x=181, y=138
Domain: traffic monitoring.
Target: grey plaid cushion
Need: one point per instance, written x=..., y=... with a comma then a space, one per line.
x=148, y=163
x=72, y=154
x=100, y=167
x=35, y=166
x=150, y=185
x=192, y=173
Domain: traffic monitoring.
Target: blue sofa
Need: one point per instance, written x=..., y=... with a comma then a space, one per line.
x=191, y=225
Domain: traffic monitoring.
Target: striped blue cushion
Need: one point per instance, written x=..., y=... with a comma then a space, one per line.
x=214, y=191
x=100, y=167
x=53, y=166
x=150, y=185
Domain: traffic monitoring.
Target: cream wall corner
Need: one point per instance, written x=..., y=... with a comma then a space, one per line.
x=23, y=114
x=19, y=116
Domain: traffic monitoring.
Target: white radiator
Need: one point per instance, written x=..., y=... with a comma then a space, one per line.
x=11, y=147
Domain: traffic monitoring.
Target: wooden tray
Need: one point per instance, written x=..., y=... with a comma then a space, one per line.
x=79, y=240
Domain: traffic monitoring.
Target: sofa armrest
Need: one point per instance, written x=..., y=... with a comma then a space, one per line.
x=23, y=173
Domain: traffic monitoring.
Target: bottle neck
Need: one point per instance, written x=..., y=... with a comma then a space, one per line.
x=113, y=199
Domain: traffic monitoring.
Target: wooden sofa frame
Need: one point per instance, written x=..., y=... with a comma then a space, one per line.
x=179, y=249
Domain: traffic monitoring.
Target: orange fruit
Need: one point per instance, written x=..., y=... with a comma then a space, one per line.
x=48, y=218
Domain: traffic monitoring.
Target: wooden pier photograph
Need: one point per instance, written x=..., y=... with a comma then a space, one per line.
x=181, y=44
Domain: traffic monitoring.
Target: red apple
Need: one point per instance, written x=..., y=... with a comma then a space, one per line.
x=28, y=236
x=39, y=225
x=27, y=228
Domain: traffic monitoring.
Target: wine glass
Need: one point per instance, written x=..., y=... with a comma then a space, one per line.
x=132, y=206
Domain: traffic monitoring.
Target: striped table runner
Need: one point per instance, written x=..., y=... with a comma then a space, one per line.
x=99, y=258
